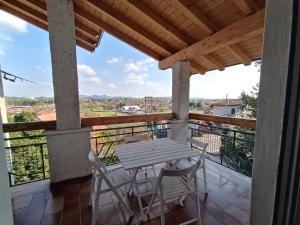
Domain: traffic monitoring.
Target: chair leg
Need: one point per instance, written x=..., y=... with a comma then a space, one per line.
x=162, y=211
x=153, y=168
x=96, y=204
x=140, y=201
x=205, y=178
x=92, y=189
x=197, y=202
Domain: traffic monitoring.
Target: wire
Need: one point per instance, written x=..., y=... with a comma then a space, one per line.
x=12, y=78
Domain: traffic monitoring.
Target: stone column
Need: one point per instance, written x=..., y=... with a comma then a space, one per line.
x=271, y=108
x=4, y=120
x=5, y=198
x=180, y=99
x=69, y=144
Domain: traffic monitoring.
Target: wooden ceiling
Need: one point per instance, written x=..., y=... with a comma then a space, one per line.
x=211, y=34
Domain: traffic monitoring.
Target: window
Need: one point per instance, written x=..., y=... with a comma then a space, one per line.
x=232, y=111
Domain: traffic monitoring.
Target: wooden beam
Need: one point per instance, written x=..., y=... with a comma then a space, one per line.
x=79, y=25
x=87, y=122
x=239, y=54
x=236, y=32
x=41, y=20
x=248, y=123
x=246, y=6
x=157, y=19
x=26, y=9
x=195, y=15
x=130, y=24
x=18, y=14
x=214, y=61
x=41, y=24
x=24, y=126
x=196, y=68
x=93, y=121
x=115, y=32
x=85, y=45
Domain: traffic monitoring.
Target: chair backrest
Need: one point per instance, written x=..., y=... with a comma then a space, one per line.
x=96, y=164
x=180, y=172
x=202, y=145
x=137, y=138
x=93, y=157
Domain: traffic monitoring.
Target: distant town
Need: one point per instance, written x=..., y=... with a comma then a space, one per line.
x=43, y=108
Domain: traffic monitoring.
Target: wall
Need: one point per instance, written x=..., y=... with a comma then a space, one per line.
x=6, y=217
x=221, y=110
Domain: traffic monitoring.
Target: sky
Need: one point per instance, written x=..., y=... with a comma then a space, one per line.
x=114, y=69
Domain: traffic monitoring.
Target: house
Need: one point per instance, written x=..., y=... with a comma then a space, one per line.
x=227, y=107
x=131, y=109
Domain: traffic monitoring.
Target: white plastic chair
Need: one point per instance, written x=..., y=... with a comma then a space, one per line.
x=185, y=163
x=170, y=186
x=105, y=180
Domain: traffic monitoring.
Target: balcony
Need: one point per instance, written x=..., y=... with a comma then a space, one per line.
x=229, y=164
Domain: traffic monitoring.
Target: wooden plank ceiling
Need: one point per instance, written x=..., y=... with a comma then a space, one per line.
x=210, y=34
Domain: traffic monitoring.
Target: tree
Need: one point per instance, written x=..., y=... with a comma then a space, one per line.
x=238, y=143
x=249, y=107
x=25, y=117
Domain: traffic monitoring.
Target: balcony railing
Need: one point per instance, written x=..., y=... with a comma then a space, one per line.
x=231, y=141
x=26, y=157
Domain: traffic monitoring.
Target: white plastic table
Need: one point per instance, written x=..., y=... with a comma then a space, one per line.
x=148, y=153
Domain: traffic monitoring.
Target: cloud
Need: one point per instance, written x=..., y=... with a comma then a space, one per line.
x=10, y=23
x=42, y=69
x=112, y=86
x=89, y=80
x=232, y=81
x=2, y=52
x=133, y=78
x=113, y=60
x=85, y=69
x=139, y=66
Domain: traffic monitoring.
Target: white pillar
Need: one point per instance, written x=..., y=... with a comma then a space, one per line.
x=64, y=65
x=271, y=107
x=69, y=145
x=180, y=99
x=6, y=217
x=4, y=120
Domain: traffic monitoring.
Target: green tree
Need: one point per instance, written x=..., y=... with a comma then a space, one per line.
x=25, y=117
x=238, y=143
x=250, y=102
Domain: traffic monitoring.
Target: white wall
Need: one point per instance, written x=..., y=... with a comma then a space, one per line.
x=221, y=110
x=6, y=217
x=271, y=106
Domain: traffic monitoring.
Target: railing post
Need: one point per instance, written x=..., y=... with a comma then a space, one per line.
x=234, y=150
x=43, y=163
x=9, y=177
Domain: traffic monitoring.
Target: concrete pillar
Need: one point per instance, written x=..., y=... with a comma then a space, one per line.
x=69, y=145
x=64, y=65
x=180, y=99
x=4, y=120
x=271, y=109
x=6, y=217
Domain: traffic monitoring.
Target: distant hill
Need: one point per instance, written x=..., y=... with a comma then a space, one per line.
x=96, y=97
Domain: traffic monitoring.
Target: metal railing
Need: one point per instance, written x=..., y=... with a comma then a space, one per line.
x=26, y=157
x=104, y=140
x=231, y=146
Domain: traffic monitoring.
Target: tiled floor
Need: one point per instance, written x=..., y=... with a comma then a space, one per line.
x=66, y=203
